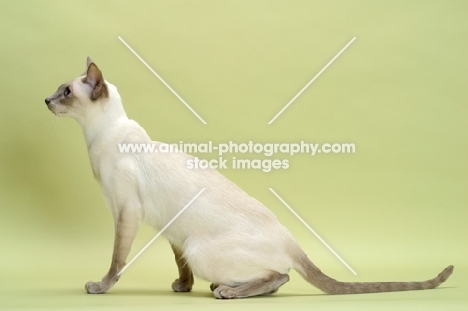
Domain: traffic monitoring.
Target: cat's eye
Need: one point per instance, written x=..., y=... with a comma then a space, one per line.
x=66, y=92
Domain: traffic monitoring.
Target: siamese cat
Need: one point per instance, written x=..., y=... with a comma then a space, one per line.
x=225, y=236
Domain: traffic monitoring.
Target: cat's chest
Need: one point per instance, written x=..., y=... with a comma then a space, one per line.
x=95, y=166
x=102, y=159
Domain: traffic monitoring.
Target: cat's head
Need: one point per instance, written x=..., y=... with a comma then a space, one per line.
x=82, y=96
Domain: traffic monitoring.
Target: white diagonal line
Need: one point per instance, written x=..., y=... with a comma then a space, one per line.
x=161, y=79
x=310, y=82
x=313, y=231
x=160, y=232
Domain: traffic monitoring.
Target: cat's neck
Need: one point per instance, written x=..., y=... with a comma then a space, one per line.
x=104, y=120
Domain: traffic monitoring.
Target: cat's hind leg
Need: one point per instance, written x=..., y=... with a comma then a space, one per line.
x=185, y=281
x=264, y=286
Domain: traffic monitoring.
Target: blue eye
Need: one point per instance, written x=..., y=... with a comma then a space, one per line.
x=66, y=92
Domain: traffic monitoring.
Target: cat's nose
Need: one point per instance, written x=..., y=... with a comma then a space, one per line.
x=47, y=101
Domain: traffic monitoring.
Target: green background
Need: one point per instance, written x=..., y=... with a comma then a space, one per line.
x=394, y=210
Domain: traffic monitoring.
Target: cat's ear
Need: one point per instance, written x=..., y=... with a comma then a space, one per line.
x=88, y=62
x=95, y=80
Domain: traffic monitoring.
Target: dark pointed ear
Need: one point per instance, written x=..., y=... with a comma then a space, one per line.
x=88, y=61
x=95, y=80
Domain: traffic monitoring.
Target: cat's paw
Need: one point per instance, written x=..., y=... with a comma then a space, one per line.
x=179, y=286
x=225, y=292
x=213, y=286
x=95, y=288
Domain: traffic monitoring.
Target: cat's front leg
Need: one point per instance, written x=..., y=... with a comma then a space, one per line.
x=126, y=227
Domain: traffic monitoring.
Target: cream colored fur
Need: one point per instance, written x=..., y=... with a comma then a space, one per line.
x=225, y=236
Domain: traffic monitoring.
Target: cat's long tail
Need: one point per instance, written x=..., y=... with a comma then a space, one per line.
x=314, y=276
